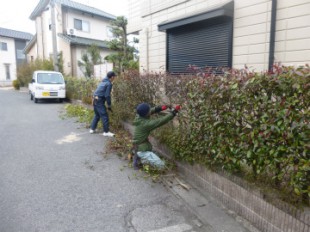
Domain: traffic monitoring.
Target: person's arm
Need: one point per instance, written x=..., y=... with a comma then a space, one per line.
x=158, y=109
x=107, y=95
x=155, y=123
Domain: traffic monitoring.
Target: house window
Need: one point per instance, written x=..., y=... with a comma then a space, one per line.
x=7, y=71
x=3, y=46
x=81, y=25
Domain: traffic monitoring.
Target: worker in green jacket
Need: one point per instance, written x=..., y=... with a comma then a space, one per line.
x=143, y=127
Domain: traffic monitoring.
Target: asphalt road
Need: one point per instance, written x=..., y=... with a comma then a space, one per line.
x=54, y=177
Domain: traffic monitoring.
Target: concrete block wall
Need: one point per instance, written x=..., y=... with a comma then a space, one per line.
x=246, y=202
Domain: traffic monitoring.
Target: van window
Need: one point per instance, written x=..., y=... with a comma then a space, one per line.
x=50, y=78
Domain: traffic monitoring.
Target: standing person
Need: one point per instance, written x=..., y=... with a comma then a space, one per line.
x=143, y=127
x=101, y=96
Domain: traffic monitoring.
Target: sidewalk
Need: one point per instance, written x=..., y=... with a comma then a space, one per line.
x=209, y=211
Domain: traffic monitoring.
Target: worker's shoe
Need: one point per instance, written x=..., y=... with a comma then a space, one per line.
x=91, y=131
x=108, y=134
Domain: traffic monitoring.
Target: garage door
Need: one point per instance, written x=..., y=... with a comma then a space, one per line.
x=206, y=43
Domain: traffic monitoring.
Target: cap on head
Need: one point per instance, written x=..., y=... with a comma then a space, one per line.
x=143, y=109
x=111, y=74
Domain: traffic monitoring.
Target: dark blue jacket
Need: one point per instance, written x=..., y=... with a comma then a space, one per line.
x=104, y=90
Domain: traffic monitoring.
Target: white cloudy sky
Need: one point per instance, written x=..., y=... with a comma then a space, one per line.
x=14, y=14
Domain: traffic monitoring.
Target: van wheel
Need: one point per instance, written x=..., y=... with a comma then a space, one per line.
x=35, y=100
x=60, y=100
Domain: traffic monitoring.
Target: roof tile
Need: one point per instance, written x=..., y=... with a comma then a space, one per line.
x=15, y=34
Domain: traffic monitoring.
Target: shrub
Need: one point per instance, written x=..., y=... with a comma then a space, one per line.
x=16, y=84
x=247, y=120
x=25, y=71
x=80, y=88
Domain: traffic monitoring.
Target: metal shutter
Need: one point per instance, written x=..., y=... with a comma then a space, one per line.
x=207, y=43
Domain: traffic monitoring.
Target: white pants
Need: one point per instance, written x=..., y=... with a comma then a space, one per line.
x=151, y=158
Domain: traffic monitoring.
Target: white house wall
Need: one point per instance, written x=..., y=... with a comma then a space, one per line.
x=251, y=30
x=7, y=57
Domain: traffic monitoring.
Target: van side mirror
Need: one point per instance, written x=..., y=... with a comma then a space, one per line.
x=32, y=81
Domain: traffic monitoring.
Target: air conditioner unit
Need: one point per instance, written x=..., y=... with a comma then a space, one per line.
x=70, y=31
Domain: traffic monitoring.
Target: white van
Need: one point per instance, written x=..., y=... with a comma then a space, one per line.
x=47, y=85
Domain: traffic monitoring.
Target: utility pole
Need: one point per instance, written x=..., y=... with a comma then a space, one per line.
x=54, y=39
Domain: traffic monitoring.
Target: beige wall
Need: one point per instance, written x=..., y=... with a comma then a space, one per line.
x=66, y=54
x=39, y=37
x=7, y=57
x=251, y=30
x=98, y=27
x=100, y=71
x=293, y=32
x=251, y=34
x=32, y=53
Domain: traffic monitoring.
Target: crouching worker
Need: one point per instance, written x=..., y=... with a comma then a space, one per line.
x=143, y=126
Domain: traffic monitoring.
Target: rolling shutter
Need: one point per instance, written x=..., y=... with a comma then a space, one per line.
x=205, y=43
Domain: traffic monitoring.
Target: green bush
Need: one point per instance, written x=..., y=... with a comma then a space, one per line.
x=25, y=71
x=80, y=88
x=16, y=84
x=248, y=120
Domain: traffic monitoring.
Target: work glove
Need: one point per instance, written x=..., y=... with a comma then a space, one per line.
x=110, y=109
x=176, y=110
x=161, y=108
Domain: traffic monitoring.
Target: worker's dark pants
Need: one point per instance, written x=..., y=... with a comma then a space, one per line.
x=100, y=113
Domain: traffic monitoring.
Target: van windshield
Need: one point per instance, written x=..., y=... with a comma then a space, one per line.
x=50, y=78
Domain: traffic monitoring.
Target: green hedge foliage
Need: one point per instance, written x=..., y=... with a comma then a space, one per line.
x=80, y=88
x=246, y=119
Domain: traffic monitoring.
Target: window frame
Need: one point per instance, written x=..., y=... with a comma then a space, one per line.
x=3, y=46
x=83, y=25
x=7, y=72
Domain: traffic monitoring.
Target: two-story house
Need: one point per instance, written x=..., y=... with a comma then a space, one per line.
x=12, y=44
x=69, y=27
x=177, y=33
